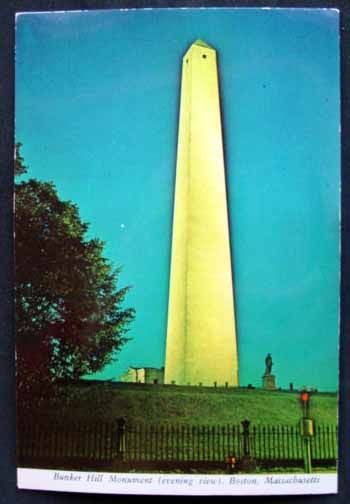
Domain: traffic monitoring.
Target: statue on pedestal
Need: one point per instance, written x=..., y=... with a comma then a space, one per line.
x=268, y=379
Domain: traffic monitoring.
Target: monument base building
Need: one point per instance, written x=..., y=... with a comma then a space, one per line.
x=143, y=375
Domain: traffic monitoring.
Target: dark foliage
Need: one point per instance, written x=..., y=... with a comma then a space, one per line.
x=70, y=319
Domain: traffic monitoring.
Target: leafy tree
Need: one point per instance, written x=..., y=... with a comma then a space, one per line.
x=70, y=319
x=19, y=161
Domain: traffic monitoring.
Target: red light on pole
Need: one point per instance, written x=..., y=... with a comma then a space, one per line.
x=307, y=429
x=305, y=399
x=305, y=396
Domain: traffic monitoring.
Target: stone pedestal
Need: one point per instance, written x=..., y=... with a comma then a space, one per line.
x=269, y=382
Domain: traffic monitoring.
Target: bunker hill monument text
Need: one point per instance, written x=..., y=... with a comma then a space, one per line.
x=201, y=344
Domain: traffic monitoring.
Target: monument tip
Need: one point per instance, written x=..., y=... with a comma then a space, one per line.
x=201, y=43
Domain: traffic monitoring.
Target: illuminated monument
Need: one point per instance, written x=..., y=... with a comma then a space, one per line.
x=201, y=343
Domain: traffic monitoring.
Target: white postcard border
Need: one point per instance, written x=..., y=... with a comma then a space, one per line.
x=177, y=484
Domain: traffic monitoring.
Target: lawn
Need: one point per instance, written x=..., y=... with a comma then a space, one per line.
x=106, y=401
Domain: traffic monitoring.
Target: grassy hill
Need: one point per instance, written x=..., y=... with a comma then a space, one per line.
x=106, y=401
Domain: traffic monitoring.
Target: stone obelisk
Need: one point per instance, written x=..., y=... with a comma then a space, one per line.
x=201, y=345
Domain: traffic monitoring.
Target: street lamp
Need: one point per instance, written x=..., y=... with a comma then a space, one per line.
x=306, y=429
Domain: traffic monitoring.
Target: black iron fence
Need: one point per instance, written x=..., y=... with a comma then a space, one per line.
x=268, y=445
x=77, y=443
x=172, y=445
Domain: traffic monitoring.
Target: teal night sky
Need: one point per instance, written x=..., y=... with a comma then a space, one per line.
x=97, y=97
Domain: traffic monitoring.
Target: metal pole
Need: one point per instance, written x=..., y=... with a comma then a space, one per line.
x=307, y=454
x=307, y=431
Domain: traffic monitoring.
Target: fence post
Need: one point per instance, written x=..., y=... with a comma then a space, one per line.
x=246, y=442
x=121, y=438
x=247, y=463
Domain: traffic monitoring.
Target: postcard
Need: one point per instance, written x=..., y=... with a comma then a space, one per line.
x=177, y=185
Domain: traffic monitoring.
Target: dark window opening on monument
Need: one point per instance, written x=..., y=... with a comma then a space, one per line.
x=204, y=56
